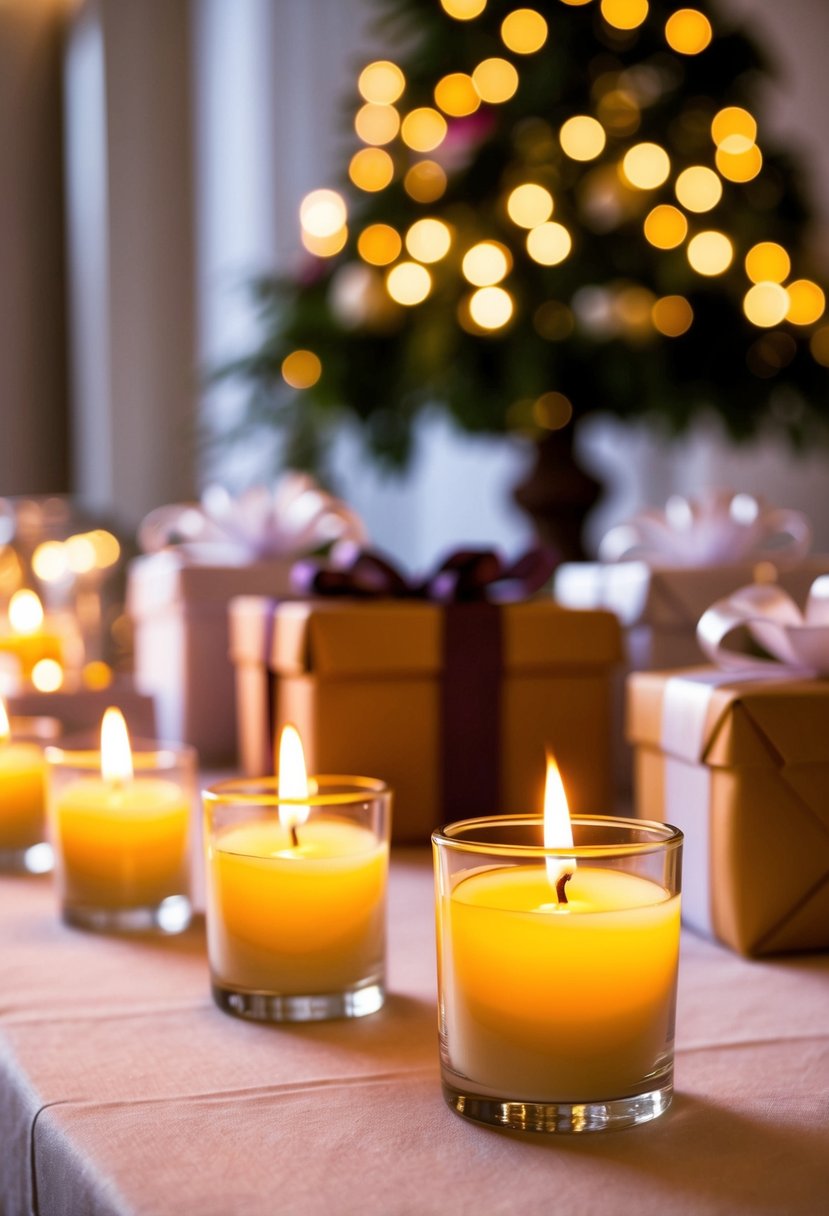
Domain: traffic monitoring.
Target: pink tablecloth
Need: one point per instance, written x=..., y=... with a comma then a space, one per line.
x=124, y=1090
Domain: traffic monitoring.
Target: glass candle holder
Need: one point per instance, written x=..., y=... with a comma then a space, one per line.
x=296, y=917
x=557, y=994
x=122, y=851
x=23, y=838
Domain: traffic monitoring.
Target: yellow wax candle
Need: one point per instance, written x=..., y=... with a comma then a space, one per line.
x=122, y=844
x=296, y=919
x=22, y=780
x=550, y=1001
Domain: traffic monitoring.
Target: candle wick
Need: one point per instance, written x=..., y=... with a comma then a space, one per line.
x=561, y=894
x=294, y=837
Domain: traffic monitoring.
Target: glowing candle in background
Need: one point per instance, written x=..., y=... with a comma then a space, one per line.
x=120, y=824
x=557, y=970
x=28, y=640
x=296, y=892
x=22, y=796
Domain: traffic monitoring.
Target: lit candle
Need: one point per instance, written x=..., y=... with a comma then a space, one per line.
x=22, y=781
x=121, y=839
x=296, y=889
x=26, y=639
x=558, y=963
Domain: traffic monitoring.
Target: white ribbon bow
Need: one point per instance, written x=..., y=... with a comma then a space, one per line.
x=800, y=640
x=289, y=519
x=715, y=528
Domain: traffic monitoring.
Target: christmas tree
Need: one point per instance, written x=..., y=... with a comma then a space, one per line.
x=544, y=212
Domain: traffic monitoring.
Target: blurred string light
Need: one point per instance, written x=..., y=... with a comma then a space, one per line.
x=665, y=226
x=301, y=369
x=738, y=159
x=371, y=169
x=428, y=240
x=807, y=302
x=456, y=95
x=322, y=213
x=381, y=82
x=529, y=205
x=376, y=124
x=688, y=31
x=491, y=307
x=624, y=14
x=463, y=10
x=646, y=166
x=733, y=120
x=767, y=262
x=408, y=283
x=710, y=253
x=496, y=80
x=766, y=304
x=698, y=188
x=47, y=675
x=425, y=181
x=379, y=244
x=524, y=31
x=552, y=411
x=423, y=129
x=672, y=316
x=582, y=137
x=486, y=263
x=549, y=243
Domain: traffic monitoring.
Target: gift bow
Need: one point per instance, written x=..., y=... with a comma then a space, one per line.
x=467, y=575
x=714, y=528
x=799, y=640
x=291, y=517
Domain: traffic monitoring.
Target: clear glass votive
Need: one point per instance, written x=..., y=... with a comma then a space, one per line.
x=24, y=848
x=296, y=921
x=557, y=1016
x=122, y=846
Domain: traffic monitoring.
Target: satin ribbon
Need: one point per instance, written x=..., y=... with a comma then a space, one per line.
x=798, y=640
x=716, y=527
x=292, y=517
x=465, y=576
x=466, y=583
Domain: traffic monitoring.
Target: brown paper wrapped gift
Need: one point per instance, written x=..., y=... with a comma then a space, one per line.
x=374, y=688
x=742, y=767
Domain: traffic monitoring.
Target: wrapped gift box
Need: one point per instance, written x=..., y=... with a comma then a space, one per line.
x=377, y=688
x=741, y=765
x=179, y=613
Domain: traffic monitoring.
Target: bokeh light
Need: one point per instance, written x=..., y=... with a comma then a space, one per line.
x=301, y=369
x=806, y=302
x=646, y=166
x=733, y=120
x=767, y=262
x=819, y=345
x=49, y=561
x=548, y=244
x=552, y=411
x=96, y=674
x=80, y=553
x=496, y=80
x=524, y=31
x=463, y=10
x=423, y=129
x=428, y=240
x=47, y=675
x=322, y=213
x=582, y=137
x=371, y=169
x=456, y=95
x=486, y=263
x=381, y=82
x=379, y=244
x=710, y=253
x=408, y=283
x=425, y=181
x=529, y=205
x=672, y=316
x=698, y=188
x=665, y=226
x=325, y=246
x=25, y=611
x=624, y=14
x=491, y=307
x=688, y=31
x=376, y=124
x=766, y=304
x=737, y=159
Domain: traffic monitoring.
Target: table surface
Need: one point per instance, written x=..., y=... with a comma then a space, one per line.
x=123, y=1089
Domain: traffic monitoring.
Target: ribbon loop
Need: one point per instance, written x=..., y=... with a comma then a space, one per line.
x=716, y=527
x=291, y=517
x=771, y=618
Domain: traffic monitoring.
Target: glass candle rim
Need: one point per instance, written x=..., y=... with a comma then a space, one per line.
x=264, y=792
x=165, y=755
x=670, y=837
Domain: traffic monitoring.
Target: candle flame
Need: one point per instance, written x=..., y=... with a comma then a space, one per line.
x=5, y=728
x=293, y=778
x=116, y=755
x=25, y=612
x=558, y=830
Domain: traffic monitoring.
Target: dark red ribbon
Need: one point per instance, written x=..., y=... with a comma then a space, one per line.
x=469, y=583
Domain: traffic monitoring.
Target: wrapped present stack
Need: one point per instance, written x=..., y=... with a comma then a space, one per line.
x=197, y=557
x=736, y=755
x=442, y=688
x=661, y=570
